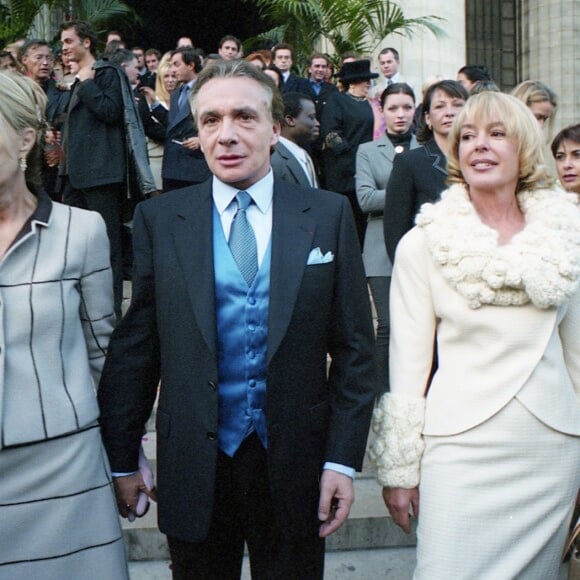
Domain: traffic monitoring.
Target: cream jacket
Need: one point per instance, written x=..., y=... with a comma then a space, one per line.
x=486, y=356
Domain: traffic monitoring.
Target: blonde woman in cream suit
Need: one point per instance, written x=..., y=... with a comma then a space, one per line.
x=487, y=454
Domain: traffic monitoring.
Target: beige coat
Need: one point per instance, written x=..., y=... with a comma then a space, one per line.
x=486, y=355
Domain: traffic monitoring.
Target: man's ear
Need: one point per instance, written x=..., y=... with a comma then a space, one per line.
x=289, y=121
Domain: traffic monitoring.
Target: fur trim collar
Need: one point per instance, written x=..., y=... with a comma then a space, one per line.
x=540, y=264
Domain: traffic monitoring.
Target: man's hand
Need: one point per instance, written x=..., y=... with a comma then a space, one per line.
x=336, y=497
x=191, y=143
x=398, y=500
x=127, y=489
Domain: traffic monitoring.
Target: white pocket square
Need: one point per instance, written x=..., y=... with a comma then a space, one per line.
x=317, y=257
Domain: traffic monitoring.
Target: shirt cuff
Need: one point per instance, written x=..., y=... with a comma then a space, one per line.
x=339, y=468
x=117, y=474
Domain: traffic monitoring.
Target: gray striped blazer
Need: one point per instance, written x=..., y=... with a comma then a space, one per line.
x=56, y=316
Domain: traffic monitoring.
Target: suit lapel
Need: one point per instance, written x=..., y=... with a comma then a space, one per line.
x=385, y=148
x=194, y=247
x=437, y=157
x=292, y=234
x=293, y=165
x=176, y=113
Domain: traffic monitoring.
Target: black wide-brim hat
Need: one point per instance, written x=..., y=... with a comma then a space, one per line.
x=357, y=70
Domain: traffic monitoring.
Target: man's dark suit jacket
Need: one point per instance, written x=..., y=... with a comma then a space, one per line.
x=169, y=334
x=96, y=135
x=180, y=163
x=287, y=167
x=320, y=99
x=418, y=177
x=294, y=84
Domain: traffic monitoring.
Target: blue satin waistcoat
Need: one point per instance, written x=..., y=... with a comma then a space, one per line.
x=242, y=330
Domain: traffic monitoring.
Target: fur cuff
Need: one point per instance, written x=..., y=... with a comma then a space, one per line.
x=398, y=422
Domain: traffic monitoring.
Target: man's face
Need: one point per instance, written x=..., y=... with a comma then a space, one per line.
x=73, y=48
x=236, y=129
x=228, y=50
x=183, y=72
x=38, y=63
x=306, y=126
x=152, y=62
x=318, y=69
x=283, y=59
x=138, y=52
x=389, y=64
x=131, y=69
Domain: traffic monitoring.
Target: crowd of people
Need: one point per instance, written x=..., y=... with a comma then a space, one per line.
x=258, y=213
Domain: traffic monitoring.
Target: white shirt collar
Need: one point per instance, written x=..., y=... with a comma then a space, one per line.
x=261, y=192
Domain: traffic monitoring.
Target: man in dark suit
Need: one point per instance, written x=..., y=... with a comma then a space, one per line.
x=319, y=89
x=290, y=160
x=283, y=58
x=242, y=286
x=183, y=161
x=94, y=171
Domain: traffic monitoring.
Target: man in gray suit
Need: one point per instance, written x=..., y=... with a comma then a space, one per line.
x=300, y=128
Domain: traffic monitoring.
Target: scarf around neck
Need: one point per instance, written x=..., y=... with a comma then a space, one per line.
x=540, y=264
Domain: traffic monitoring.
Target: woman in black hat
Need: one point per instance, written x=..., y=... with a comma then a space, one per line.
x=347, y=121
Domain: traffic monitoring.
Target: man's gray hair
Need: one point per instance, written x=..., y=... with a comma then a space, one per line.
x=240, y=69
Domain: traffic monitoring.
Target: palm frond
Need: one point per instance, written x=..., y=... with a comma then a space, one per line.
x=357, y=25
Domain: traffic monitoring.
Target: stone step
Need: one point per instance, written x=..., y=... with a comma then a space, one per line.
x=377, y=564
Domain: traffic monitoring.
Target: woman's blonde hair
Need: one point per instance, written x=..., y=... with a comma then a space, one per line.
x=520, y=126
x=161, y=93
x=23, y=106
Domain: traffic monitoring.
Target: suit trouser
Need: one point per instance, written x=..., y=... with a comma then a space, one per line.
x=106, y=200
x=380, y=289
x=243, y=512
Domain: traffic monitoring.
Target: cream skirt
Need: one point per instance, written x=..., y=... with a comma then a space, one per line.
x=495, y=501
x=58, y=519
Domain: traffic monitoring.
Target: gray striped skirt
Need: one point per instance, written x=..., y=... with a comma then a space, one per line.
x=58, y=517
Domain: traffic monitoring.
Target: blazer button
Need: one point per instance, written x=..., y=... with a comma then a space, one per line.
x=212, y=385
x=211, y=436
x=276, y=429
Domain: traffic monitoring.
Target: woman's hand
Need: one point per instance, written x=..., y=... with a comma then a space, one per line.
x=398, y=500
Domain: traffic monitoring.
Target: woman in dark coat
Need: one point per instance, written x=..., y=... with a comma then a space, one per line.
x=347, y=121
x=419, y=175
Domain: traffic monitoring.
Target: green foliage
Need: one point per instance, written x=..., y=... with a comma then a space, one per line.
x=348, y=25
x=18, y=16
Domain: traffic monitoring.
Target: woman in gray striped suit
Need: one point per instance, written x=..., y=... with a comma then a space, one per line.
x=57, y=509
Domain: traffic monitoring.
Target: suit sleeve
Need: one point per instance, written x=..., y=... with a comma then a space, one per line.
x=413, y=320
x=102, y=96
x=153, y=126
x=96, y=290
x=132, y=369
x=332, y=125
x=369, y=193
x=351, y=374
x=399, y=203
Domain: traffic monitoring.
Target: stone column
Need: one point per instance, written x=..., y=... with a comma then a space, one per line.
x=550, y=52
x=424, y=55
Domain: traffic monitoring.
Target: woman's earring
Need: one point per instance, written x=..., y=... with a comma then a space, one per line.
x=23, y=164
